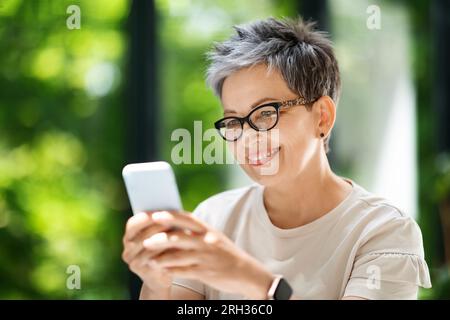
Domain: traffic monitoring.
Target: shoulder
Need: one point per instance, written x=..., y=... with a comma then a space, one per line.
x=385, y=227
x=390, y=243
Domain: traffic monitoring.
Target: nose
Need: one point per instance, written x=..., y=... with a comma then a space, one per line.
x=252, y=139
x=248, y=132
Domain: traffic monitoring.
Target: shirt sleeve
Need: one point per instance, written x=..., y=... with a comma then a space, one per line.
x=194, y=285
x=389, y=263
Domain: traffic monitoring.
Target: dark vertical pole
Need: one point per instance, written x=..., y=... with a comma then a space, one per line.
x=441, y=93
x=142, y=84
x=316, y=10
x=141, y=109
x=440, y=21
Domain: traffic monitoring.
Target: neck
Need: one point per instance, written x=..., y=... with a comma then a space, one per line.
x=306, y=197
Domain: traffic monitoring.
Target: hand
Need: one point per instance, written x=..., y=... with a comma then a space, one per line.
x=140, y=227
x=197, y=251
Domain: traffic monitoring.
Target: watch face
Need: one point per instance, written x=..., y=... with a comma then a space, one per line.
x=283, y=291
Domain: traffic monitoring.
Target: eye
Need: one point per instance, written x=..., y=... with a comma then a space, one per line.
x=233, y=123
x=267, y=113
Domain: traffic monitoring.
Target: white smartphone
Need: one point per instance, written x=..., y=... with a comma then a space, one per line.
x=151, y=186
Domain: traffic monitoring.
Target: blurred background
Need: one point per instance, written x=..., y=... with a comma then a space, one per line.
x=89, y=86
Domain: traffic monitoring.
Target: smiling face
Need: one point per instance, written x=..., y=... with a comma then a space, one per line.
x=288, y=149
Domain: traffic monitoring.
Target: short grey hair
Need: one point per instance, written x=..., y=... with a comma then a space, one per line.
x=303, y=55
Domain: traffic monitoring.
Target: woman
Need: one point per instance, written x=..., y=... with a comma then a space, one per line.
x=300, y=231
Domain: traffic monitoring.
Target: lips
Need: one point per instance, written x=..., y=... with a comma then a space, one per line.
x=261, y=157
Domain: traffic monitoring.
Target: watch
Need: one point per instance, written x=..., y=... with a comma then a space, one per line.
x=279, y=289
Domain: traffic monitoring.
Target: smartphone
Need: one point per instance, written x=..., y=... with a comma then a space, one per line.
x=151, y=186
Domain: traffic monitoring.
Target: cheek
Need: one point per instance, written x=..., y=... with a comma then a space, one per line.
x=295, y=132
x=293, y=141
x=296, y=142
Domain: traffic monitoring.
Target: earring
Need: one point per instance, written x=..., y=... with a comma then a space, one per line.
x=322, y=135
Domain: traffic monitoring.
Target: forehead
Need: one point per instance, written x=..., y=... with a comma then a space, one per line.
x=245, y=86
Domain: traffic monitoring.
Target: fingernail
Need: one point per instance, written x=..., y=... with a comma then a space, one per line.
x=154, y=240
x=147, y=243
x=161, y=215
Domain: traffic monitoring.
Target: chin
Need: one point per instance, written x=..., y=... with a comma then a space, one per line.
x=267, y=180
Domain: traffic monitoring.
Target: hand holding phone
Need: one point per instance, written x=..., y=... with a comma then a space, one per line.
x=151, y=187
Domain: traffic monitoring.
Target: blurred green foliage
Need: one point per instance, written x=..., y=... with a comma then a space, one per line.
x=432, y=168
x=62, y=201
x=61, y=149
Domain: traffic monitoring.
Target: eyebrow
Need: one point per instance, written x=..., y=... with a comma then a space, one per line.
x=253, y=106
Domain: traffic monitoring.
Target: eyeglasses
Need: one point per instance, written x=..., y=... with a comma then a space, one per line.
x=262, y=118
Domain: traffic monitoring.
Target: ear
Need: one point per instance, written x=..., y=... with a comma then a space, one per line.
x=326, y=115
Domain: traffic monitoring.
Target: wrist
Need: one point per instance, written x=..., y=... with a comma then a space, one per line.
x=257, y=283
x=151, y=293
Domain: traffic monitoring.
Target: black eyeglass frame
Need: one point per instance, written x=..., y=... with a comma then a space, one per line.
x=276, y=105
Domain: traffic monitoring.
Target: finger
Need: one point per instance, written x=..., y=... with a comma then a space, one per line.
x=178, y=239
x=180, y=220
x=144, y=258
x=132, y=248
x=138, y=262
x=150, y=231
x=177, y=258
x=137, y=223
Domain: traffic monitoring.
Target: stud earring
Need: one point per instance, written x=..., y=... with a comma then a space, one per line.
x=322, y=135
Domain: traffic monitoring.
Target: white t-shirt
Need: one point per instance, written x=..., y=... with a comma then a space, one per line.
x=364, y=247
